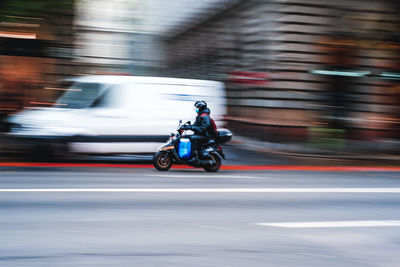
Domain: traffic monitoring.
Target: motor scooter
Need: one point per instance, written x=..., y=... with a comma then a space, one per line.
x=179, y=149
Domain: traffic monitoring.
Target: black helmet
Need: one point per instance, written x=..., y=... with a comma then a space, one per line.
x=201, y=105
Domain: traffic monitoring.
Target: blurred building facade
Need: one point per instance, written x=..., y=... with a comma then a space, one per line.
x=106, y=32
x=293, y=67
x=43, y=42
x=36, y=48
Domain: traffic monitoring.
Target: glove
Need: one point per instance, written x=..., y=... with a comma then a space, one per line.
x=186, y=127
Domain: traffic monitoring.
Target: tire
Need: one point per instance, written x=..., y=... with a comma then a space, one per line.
x=215, y=167
x=50, y=152
x=43, y=152
x=162, y=161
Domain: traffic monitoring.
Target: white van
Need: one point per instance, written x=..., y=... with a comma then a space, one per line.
x=118, y=114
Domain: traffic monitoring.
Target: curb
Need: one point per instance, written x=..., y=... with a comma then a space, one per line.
x=301, y=150
x=224, y=167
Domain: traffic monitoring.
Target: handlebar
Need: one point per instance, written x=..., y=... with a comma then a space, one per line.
x=180, y=130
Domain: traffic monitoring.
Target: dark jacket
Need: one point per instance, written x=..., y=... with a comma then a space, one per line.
x=202, y=126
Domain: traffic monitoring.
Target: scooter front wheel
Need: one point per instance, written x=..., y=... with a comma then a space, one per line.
x=162, y=161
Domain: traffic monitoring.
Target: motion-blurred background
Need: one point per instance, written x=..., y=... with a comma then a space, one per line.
x=325, y=74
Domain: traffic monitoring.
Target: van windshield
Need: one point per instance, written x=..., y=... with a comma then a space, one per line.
x=79, y=95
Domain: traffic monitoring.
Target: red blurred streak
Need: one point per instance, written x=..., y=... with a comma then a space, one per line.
x=18, y=35
x=73, y=165
x=224, y=167
x=313, y=168
x=248, y=77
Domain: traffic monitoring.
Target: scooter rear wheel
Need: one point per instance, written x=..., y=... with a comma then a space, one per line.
x=162, y=161
x=214, y=168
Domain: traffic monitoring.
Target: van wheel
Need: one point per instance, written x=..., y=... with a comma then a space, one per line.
x=213, y=168
x=162, y=161
x=43, y=152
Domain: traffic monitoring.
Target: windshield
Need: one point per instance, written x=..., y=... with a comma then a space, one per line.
x=79, y=95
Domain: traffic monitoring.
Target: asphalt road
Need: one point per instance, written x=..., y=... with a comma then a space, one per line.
x=185, y=218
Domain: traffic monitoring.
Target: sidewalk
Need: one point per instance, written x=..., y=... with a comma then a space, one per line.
x=352, y=150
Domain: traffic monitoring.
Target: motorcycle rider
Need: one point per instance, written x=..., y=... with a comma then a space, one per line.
x=202, y=128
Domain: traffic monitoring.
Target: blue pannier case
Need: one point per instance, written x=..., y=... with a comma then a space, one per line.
x=185, y=148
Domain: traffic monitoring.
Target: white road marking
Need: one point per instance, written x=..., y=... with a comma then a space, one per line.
x=334, y=224
x=207, y=176
x=214, y=227
x=209, y=190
